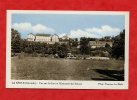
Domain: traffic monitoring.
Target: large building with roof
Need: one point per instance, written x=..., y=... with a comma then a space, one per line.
x=48, y=38
x=97, y=44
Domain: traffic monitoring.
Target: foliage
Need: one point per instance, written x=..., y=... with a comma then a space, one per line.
x=73, y=42
x=108, y=48
x=15, y=41
x=62, y=50
x=84, y=48
x=119, y=45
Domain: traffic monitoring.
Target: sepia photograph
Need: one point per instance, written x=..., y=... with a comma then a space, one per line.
x=67, y=49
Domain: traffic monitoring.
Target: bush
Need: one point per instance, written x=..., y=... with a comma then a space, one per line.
x=28, y=50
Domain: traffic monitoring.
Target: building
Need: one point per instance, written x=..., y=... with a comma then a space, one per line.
x=31, y=37
x=42, y=38
x=65, y=37
x=48, y=38
x=55, y=38
x=97, y=44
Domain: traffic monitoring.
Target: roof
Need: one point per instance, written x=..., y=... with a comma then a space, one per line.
x=55, y=35
x=31, y=34
x=43, y=35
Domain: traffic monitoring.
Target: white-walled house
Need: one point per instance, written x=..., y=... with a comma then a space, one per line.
x=55, y=38
x=48, y=38
x=96, y=44
x=31, y=37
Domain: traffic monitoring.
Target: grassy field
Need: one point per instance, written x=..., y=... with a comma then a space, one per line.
x=41, y=68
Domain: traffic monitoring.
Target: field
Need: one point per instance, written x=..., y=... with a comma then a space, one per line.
x=42, y=68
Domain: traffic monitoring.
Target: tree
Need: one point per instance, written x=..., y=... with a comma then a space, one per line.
x=108, y=48
x=62, y=50
x=24, y=44
x=55, y=48
x=74, y=43
x=84, y=48
x=119, y=45
x=15, y=41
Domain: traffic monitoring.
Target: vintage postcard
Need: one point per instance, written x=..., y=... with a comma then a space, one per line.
x=67, y=49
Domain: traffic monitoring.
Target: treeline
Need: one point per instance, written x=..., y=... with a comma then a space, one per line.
x=19, y=45
x=118, y=48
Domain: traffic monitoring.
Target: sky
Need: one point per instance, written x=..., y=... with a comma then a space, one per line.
x=73, y=25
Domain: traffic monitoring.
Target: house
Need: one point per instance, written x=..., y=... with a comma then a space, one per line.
x=48, y=38
x=65, y=37
x=31, y=37
x=55, y=38
x=97, y=43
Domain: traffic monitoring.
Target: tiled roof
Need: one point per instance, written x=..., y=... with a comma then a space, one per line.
x=31, y=33
x=43, y=35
